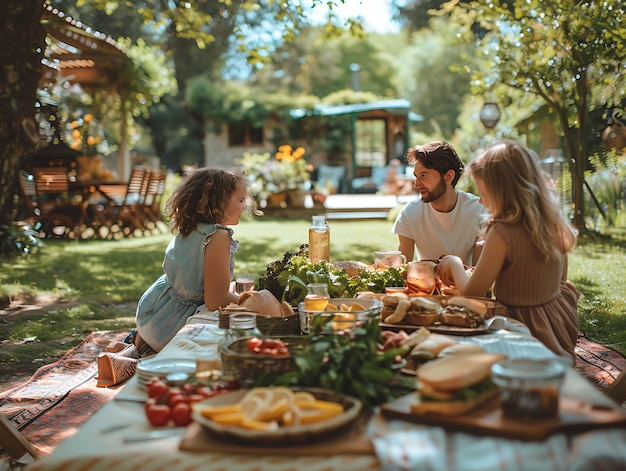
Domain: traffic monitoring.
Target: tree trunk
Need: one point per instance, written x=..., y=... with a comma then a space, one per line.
x=23, y=45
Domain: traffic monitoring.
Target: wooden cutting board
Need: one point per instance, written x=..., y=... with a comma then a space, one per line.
x=494, y=308
x=574, y=417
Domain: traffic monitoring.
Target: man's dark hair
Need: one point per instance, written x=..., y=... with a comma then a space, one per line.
x=437, y=155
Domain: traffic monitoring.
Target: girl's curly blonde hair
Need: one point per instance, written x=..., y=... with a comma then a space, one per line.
x=203, y=197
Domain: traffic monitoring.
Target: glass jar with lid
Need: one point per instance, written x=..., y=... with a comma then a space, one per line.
x=241, y=325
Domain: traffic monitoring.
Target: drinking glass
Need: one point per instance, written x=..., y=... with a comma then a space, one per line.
x=421, y=278
x=244, y=282
x=385, y=259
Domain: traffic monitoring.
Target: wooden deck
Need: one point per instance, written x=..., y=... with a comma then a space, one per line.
x=345, y=206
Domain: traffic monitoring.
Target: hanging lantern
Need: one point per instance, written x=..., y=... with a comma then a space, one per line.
x=489, y=115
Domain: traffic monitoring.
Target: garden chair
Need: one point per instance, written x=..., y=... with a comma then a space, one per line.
x=60, y=214
x=152, y=201
x=123, y=211
x=20, y=450
x=26, y=208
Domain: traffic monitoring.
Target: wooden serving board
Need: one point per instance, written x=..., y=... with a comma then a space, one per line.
x=439, y=328
x=494, y=308
x=575, y=416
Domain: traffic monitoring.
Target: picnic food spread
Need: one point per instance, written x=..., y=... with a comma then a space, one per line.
x=366, y=347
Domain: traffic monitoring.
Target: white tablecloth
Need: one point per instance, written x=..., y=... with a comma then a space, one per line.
x=100, y=445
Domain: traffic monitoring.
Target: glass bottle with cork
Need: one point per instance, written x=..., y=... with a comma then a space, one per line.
x=319, y=239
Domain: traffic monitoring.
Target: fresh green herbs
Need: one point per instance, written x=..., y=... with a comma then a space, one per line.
x=287, y=278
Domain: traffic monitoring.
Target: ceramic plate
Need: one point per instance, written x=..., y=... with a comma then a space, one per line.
x=146, y=369
x=284, y=435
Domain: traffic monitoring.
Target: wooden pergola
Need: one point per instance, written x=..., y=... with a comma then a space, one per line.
x=91, y=59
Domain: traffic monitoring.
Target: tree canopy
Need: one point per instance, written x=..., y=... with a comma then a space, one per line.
x=572, y=55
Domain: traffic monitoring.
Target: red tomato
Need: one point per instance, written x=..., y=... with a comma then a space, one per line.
x=158, y=388
x=177, y=397
x=254, y=343
x=181, y=414
x=195, y=398
x=273, y=344
x=206, y=391
x=158, y=414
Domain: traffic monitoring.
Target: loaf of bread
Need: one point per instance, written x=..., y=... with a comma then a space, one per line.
x=351, y=267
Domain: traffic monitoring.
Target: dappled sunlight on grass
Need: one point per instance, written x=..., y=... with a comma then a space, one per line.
x=105, y=279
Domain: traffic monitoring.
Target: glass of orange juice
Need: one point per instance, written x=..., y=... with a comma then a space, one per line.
x=317, y=297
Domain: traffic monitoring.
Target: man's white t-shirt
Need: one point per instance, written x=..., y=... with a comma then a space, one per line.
x=436, y=233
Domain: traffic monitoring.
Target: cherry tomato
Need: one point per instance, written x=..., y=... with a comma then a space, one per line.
x=195, y=398
x=190, y=387
x=181, y=414
x=206, y=391
x=254, y=343
x=273, y=343
x=158, y=388
x=158, y=414
x=177, y=397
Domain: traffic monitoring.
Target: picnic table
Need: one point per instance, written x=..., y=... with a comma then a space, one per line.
x=119, y=437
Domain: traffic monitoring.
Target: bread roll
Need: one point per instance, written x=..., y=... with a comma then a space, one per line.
x=461, y=348
x=431, y=347
x=264, y=303
x=351, y=267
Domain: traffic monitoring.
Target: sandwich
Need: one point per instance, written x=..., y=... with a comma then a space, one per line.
x=415, y=310
x=464, y=312
x=455, y=385
x=431, y=346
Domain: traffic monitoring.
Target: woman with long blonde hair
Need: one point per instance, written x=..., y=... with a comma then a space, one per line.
x=524, y=258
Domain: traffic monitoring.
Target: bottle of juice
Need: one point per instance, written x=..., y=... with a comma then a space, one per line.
x=319, y=239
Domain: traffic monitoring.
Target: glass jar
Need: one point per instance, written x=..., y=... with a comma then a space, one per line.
x=319, y=239
x=317, y=297
x=529, y=388
x=385, y=259
x=241, y=325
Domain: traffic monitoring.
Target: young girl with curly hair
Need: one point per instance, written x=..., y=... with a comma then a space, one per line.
x=198, y=265
x=524, y=258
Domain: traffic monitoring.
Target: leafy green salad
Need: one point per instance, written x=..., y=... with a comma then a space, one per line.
x=287, y=278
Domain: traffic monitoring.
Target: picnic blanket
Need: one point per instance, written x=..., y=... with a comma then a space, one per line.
x=60, y=396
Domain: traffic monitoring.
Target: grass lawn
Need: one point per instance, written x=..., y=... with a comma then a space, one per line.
x=102, y=281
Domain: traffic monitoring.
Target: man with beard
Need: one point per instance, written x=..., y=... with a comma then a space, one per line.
x=442, y=221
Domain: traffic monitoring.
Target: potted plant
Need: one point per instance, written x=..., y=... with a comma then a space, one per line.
x=279, y=180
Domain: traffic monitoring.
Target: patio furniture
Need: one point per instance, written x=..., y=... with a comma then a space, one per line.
x=123, y=209
x=152, y=200
x=60, y=213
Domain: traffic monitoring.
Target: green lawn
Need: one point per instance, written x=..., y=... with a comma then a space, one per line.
x=107, y=279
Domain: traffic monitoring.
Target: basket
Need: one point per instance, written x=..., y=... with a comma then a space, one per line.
x=249, y=367
x=279, y=326
x=274, y=326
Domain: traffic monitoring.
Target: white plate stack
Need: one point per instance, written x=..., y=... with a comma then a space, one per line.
x=148, y=369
